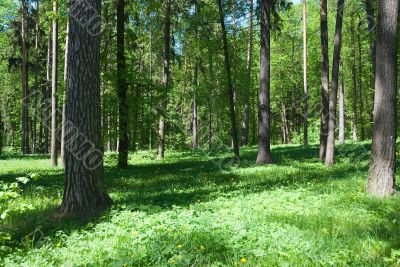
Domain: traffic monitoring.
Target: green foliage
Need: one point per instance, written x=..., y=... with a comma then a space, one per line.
x=186, y=211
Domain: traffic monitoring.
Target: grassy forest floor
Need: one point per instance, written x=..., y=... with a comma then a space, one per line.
x=186, y=211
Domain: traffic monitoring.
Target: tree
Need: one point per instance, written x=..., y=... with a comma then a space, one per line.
x=330, y=148
x=47, y=93
x=341, y=107
x=324, y=79
x=246, y=113
x=166, y=80
x=264, y=117
x=122, y=88
x=360, y=85
x=305, y=73
x=84, y=190
x=54, y=81
x=381, y=176
x=195, y=137
x=229, y=82
x=354, y=81
x=63, y=121
x=24, y=80
x=37, y=70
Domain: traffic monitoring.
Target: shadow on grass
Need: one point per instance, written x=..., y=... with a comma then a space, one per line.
x=156, y=187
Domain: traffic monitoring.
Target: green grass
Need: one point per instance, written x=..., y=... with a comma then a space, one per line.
x=187, y=211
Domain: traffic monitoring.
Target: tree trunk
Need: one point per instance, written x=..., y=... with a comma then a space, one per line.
x=84, y=192
x=341, y=108
x=122, y=88
x=234, y=136
x=354, y=121
x=371, y=28
x=63, y=121
x=195, y=138
x=24, y=80
x=360, y=85
x=195, y=141
x=305, y=138
x=264, y=120
x=246, y=115
x=210, y=103
x=324, y=80
x=36, y=94
x=284, y=126
x=166, y=80
x=46, y=95
x=54, y=80
x=330, y=149
x=381, y=177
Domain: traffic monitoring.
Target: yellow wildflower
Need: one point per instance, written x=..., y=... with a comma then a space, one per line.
x=202, y=248
x=243, y=260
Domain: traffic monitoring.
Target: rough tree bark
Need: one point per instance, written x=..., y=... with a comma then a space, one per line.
x=246, y=115
x=122, y=88
x=54, y=80
x=330, y=148
x=166, y=80
x=234, y=136
x=84, y=192
x=324, y=79
x=264, y=117
x=381, y=177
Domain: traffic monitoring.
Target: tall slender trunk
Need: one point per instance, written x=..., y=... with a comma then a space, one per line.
x=63, y=121
x=231, y=94
x=354, y=121
x=382, y=172
x=246, y=115
x=151, y=91
x=195, y=138
x=54, y=80
x=122, y=88
x=84, y=189
x=360, y=85
x=166, y=80
x=305, y=138
x=371, y=28
x=324, y=79
x=264, y=120
x=341, y=108
x=284, y=125
x=330, y=149
x=24, y=80
x=46, y=95
x=210, y=99
x=36, y=94
x=195, y=141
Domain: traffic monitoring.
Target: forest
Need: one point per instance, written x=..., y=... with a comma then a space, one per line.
x=199, y=133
